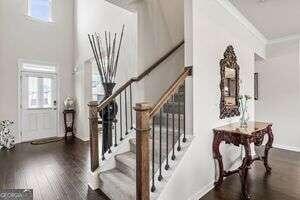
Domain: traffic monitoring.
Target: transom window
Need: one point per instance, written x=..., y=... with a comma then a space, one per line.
x=40, y=9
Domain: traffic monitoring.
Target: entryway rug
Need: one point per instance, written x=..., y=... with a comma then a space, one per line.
x=46, y=140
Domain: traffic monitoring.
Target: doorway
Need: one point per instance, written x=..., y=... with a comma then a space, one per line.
x=38, y=102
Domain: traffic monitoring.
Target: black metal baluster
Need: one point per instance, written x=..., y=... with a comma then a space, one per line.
x=115, y=124
x=131, y=110
x=109, y=134
x=173, y=136
x=121, y=121
x=160, y=147
x=167, y=149
x=153, y=170
x=102, y=122
x=179, y=147
x=184, y=133
x=126, y=110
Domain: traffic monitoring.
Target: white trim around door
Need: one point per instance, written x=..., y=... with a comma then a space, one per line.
x=41, y=70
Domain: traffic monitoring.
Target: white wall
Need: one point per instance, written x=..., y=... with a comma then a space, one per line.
x=153, y=29
x=279, y=93
x=214, y=28
x=160, y=28
x=22, y=38
x=98, y=16
x=188, y=60
x=188, y=32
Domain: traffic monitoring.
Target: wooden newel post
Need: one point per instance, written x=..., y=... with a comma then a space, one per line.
x=94, y=134
x=142, y=150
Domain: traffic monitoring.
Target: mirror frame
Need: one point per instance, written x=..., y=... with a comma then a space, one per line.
x=229, y=61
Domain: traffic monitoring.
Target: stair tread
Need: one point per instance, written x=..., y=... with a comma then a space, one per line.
x=156, y=152
x=127, y=158
x=123, y=184
x=133, y=141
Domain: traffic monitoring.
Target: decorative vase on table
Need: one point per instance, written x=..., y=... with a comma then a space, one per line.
x=244, y=99
x=69, y=103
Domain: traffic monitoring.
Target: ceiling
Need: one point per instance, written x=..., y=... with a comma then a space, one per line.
x=275, y=19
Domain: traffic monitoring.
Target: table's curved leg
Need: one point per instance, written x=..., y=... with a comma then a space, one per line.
x=244, y=169
x=217, y=155
x=268, y=147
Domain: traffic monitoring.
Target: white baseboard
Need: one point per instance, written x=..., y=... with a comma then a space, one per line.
x=202, y=192
x=93, y=179
x=83, y=138
x=289, y=148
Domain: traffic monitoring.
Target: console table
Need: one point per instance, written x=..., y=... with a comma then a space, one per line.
x=69, y=126
x=234, y=134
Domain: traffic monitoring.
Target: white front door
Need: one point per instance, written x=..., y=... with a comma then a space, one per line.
x=38, y=106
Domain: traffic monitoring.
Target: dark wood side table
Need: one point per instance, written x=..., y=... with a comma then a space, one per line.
x=69, y=126
x=234, y=134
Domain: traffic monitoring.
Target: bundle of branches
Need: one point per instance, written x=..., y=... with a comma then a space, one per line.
x=105, y=55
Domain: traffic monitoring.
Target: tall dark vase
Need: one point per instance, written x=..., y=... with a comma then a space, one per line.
x=108, y=115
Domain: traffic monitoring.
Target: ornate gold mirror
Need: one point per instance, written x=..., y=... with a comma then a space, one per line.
x=229, y=104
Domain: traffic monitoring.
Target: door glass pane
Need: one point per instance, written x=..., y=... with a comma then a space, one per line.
x=46, y=93
x=33, y=92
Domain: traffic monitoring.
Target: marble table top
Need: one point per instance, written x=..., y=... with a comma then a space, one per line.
x=249, y=130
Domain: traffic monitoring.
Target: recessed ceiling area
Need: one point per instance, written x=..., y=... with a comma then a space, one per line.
x=273, y=18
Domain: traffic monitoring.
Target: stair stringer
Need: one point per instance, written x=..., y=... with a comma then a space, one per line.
x=110, y=160
x=161, y=186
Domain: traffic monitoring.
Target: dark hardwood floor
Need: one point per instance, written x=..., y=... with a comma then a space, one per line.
x=54, y=171
x=60, y=171
x=282, y=184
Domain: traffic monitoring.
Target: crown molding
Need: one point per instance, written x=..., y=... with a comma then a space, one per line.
x=243, y=20
x=251, y=28
x=288, y=38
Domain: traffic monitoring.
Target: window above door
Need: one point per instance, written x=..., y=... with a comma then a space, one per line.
x=40, y=10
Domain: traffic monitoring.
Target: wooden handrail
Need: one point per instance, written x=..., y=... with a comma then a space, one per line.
x=140, y=77
x=116, y=93
x=172, y=90
x=161, y=60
